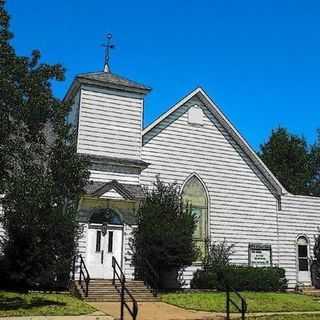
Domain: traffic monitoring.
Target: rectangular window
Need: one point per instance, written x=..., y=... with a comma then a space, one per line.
x=98, y=241
x=110, y=242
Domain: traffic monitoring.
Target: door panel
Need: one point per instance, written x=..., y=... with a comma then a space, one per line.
x=101, y=247
x=113, y=248
x=303, y=260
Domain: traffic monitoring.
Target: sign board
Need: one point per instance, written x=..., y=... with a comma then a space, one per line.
x=260, y=255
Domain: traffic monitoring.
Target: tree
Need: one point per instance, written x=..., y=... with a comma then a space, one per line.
x=288, y=158
x=42, y=176
x=314, y=185
x=164, y=235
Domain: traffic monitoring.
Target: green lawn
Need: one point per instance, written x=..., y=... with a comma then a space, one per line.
x=257, y=301
x=288, y=317
x=31, y=304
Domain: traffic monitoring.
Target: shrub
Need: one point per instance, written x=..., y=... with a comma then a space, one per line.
x=315, y=270
x=242, y=278
x=217, y=255
x=164, y=235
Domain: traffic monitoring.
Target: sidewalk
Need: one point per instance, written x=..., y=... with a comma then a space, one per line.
x=164, y=311
x=156, y=311
x=153, y=311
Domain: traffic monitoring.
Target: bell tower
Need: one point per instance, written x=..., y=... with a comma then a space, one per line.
x=107, y=114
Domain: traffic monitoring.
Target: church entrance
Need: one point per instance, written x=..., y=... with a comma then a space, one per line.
x=304, y=275
x=105, y=237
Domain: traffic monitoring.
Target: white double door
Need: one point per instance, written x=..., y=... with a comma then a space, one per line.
x=102, y=246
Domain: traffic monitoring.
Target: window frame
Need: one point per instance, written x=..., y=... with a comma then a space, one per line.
x=302, y=260
x=204, y=208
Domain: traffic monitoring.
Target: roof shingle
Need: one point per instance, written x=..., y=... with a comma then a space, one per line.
x=113, y=79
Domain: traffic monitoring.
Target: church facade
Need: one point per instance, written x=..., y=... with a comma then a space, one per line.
x=234, y=195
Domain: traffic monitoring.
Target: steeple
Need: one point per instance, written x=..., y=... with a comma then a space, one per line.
x=107, y=47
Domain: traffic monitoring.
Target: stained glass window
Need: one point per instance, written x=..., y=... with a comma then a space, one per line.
x=195, y=195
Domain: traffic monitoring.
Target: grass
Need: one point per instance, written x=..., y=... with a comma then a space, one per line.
x=288, y=317
x=40, y=304
x=257, y=302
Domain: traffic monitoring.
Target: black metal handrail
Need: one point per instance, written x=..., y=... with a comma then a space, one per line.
x=149, y=275
x=84, y=277
x=119, y=275
x=242, y=308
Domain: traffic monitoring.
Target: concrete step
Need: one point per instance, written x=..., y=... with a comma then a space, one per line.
x=109, y=284
x=135, y=294
x=108, y=299
x=104, y=291
x=311, y=291
x=142, y=289
x=128, y=285
x=117, y=281
x=112, y=298
x=315, y=293
x=309, y=288
x=115, y=293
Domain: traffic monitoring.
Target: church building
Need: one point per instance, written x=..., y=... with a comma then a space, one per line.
x=232, y=192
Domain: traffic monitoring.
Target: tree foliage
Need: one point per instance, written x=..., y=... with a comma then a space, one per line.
x=293, y=161
x=41, y=174
x=316, y=247
x=314, y=185
x=164, y=235
x=217, y=255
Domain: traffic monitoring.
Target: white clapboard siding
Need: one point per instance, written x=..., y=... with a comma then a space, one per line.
x=110, y=123
x=127, y=253
x=104, y=176
x=82, y=242
x=242, y=209
x=300, y=215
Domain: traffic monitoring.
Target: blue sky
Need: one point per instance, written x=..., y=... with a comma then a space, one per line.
x=258, y=60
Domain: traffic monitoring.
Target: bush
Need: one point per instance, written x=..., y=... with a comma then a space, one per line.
x=217, y=255
x=164, y=235
x=242, y=278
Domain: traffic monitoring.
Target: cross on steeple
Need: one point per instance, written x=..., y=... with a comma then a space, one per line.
x=107, y=46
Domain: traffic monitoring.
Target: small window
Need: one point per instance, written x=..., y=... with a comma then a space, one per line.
x=98, y=241
x=110, y=242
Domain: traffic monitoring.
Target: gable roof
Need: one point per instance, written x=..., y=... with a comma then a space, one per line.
x=107, y=80
x=127, y=191
x=114, y=79
x=230, y=129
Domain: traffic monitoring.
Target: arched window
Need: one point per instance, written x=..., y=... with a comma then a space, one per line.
x=105, y=216
x=195, y=195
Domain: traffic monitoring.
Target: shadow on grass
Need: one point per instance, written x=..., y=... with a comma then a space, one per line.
x=14, y=303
